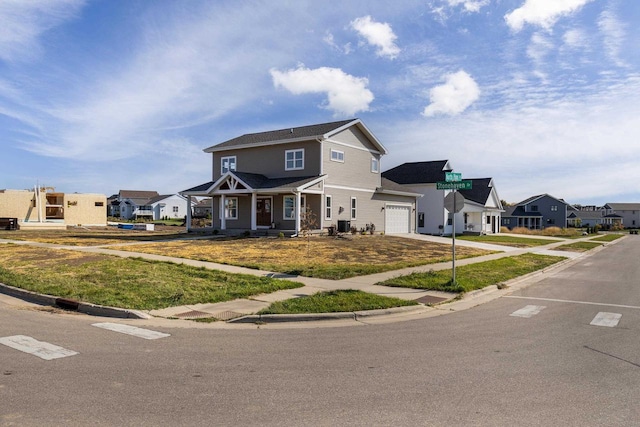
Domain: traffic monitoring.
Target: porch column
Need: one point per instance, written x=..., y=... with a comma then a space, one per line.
x=188, y=214
x=212, y=214
x=223, y=213
x=254, y=203
x=298, y=201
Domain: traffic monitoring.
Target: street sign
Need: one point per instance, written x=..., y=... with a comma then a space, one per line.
x=460, y=185
x=452, y=177
x=454, y=202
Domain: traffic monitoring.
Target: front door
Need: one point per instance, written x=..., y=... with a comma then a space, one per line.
x=263, y=211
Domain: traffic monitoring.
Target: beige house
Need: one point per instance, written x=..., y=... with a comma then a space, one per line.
x=43, y=208
x=268, y=180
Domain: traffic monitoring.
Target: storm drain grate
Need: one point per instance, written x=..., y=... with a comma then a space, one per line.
x=194, y=314
x=429, y=299
x=227, y=315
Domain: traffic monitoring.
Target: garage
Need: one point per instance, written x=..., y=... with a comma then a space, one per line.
x=397, y=219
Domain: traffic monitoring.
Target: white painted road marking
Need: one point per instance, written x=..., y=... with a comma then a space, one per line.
x=528, y=311
x=132, y=330
x=574, y=302
x=43, y=350
x=606, y=319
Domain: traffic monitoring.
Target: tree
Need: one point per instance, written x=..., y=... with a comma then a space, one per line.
x=308, y=222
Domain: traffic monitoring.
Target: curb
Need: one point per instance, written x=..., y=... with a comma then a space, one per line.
x=72, y=305
x=349, y=315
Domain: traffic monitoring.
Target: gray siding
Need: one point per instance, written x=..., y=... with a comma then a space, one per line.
x=270, y=160
x=550, y=218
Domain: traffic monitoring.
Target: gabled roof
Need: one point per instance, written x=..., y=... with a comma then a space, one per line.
x=418, y=172
x=303, y=133
x=254, y=181
x=539, y=196
x=480, y=190
x=624, y=206
x=135, y=194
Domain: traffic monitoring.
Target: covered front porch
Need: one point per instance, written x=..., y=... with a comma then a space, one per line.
x=481, y=221
x=245, y=201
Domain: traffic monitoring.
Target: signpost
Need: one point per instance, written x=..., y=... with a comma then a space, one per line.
x=453, y=202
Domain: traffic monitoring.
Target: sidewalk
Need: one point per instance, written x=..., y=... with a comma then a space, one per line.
x=241, y=307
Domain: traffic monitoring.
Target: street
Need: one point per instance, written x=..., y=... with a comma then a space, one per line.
x=562, y=351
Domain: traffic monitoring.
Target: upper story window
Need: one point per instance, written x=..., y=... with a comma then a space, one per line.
x=227, y=164
x=534, y=208
x=294, y=159
x=337, y=156
x=554, y=208
x=375, y=165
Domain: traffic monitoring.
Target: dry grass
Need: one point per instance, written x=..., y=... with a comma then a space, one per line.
x=549, y=231
x=329, y=257
x=92, y=236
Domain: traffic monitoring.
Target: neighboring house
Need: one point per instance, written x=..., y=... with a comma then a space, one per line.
x=480, y=214
x=482, y=207
x=628, y=213
x=168, y=206
x=133, y=204
x=605, y=216
x=43, y=208
x=204, y=208
x=271, y=179
x=536, y=213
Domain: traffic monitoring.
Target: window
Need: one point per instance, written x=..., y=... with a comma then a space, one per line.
x=354, y=206
x=375, y=165
x=227, y=164
x=506, y=221
x=289, y=206
x=534, y=208
x=231, y=208
x=337, y=156
x=175, y=209
x=489, y=219
x=327, y=207
x=554, y=208
x=99, y=204
x=294, y=159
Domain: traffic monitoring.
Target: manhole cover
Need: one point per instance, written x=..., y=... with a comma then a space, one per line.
x=429, y=299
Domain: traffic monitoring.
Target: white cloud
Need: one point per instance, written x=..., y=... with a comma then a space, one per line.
x=543, y=13
x=346, y=94
x=377, y=34
x=469, y=5
x=575, y=38
x=613, y=32
x=23, y=22
x=454, y=96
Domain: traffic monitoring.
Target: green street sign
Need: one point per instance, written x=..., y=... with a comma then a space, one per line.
x=460, y=185
x=452, y=177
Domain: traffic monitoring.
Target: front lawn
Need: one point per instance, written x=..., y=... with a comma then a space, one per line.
x=518, y=242
x=335, y=302
x=322, y=257
x=131, y=283
x=578, y=246
x=475, y=276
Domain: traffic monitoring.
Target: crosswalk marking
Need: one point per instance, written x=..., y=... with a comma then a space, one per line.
x=528, y=311
x=43, y=350
x=132, y=330
x=606, y=319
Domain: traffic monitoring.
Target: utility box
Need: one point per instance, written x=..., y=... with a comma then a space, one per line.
x=344, y=226
x=8, y=223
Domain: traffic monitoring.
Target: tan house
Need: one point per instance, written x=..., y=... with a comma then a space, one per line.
x=42, y=208
x=268, y=180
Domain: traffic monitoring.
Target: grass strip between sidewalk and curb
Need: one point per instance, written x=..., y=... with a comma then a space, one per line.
x=513, y=241
x=131, y=283
x=347, y=300
x=607, y=237
x=579, y=246
x=475, y=276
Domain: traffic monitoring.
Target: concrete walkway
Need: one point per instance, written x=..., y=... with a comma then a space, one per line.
x=240, y=307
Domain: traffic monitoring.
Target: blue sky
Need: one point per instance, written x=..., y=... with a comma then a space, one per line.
x=541, y=95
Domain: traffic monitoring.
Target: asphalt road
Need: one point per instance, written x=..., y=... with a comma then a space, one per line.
x=500, y=363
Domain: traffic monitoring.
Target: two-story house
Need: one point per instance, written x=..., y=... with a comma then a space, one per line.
x=272, y=180
x=628, y=214
x=536, y=213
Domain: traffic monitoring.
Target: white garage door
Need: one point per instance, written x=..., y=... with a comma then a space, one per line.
x=397, y=219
